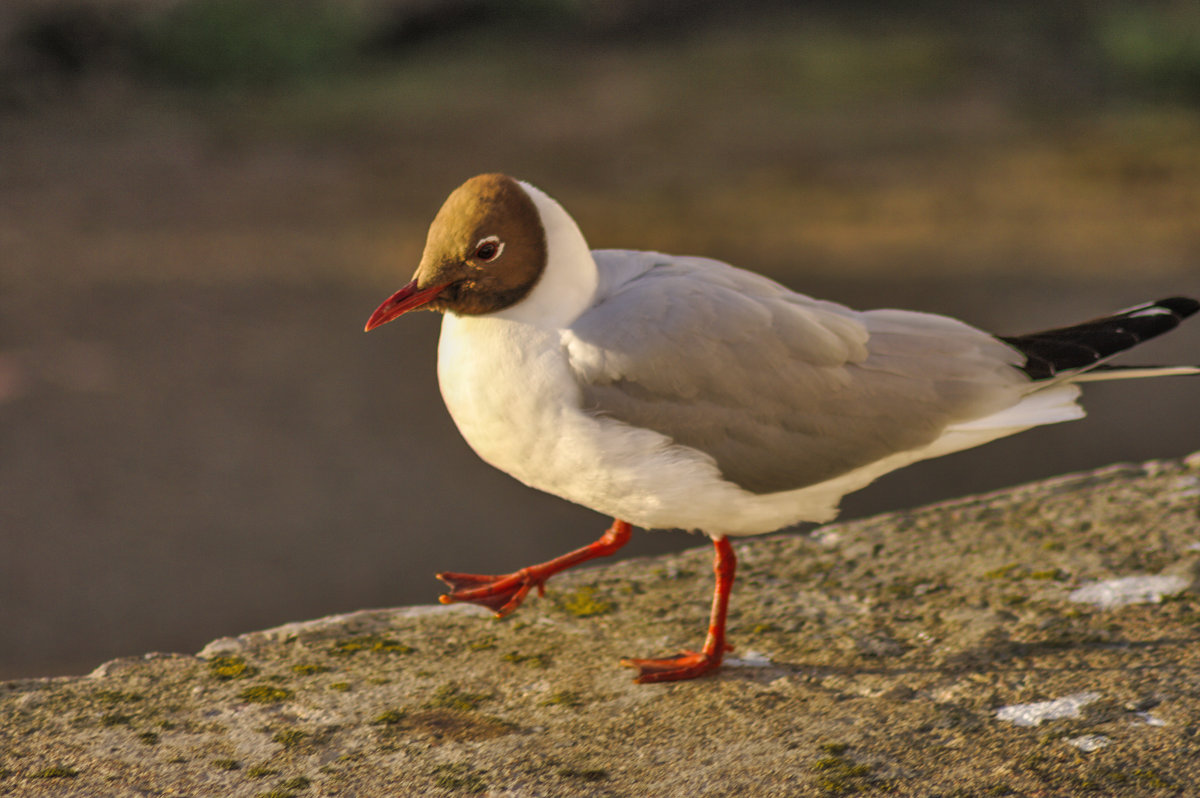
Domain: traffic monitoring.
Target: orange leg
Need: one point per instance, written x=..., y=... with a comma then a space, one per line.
x=690, y=664
x=503, y=594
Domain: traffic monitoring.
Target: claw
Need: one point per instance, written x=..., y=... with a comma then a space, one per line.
x=503, y=594
x=500, y=594
x=684, y=665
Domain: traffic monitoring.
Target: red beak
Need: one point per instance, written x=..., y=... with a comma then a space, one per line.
x=407, y=298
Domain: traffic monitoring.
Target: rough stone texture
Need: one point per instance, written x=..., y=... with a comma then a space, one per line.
x=871, y=657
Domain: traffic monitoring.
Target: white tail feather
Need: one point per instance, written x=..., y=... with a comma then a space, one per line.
x=1047, y=406
x=1101, y=375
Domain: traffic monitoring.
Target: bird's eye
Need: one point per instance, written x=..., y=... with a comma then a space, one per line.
x=488, y=249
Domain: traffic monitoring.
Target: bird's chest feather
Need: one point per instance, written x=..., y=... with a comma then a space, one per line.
x=510, y=392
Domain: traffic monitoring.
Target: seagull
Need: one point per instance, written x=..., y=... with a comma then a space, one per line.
x=682, y=392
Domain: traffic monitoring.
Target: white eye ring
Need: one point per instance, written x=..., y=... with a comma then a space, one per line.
x=489, y=248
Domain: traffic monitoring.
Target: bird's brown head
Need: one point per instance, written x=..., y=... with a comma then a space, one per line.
x=485, y=251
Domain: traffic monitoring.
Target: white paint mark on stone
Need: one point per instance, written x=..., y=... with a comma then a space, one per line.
x=826, y=537
x=1090, y=742
x=750, y=659
x=1129, y=590
x=1148, y=719
x=1033, y=714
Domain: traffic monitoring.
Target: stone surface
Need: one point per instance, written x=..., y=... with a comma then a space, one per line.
x=871, y=657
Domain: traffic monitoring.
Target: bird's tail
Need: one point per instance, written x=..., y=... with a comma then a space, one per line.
x=1106, y=372
x=1078, y=352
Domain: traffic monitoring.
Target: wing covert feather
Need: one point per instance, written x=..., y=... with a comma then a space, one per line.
x=781, y=390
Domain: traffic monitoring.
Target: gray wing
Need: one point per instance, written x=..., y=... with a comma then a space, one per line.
x=781, y=390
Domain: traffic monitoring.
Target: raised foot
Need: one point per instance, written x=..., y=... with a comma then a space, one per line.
x=500, y=594
x=684, y=665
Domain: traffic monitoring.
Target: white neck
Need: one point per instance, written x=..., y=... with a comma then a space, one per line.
x=567, y=286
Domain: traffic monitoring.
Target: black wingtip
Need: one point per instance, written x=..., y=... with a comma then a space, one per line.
x=1051, y=352
x=1181, y=306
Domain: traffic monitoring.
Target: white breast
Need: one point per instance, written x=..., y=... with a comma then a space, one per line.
x=509, y=391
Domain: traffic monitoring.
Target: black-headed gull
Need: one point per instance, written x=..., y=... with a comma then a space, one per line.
x=681, y=392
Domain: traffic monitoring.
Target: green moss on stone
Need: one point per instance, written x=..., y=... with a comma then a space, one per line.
x=290, y=738
x=265, y=694
x=310, y=668
x=838, y=775
x=278, y=792
x=448, y=696
x=532, y=660
x=563, y=698
x=374, y=643
x=584, y=604
x=392, y=717
x=226, y=668
x=1152, y=779
x=584, y=774
x=459, y=777
x=1003, y=572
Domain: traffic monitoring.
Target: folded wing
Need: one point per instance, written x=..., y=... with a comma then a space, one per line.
x=781, y=390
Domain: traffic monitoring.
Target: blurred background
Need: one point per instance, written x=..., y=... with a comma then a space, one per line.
x=201, y=201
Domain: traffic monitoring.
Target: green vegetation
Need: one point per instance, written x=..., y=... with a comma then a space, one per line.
x=532, y=660
x=55, y=772
x=838, y=775
x=290, y=738
x=584, y=604
x=448, y=696
x=309, y=668
x=1003, y=572
x=1152, y=49
x=459, y=777
x=584, y=774
x=265, y=694
x=227, y=668
x=278, y=792
x=391, y=717
x=214, y=43
x=563, y=698
x=373, y=643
